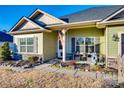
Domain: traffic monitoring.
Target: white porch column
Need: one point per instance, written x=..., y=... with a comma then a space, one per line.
x=106, y=39
x=64, y=45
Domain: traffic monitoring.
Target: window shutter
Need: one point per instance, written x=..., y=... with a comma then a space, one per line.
x=73, y=45
x=36, y=44
x=97, y=45
x=18, y=44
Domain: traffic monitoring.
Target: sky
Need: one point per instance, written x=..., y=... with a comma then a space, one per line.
x=10, y=14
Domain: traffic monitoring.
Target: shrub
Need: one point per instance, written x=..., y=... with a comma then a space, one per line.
x=5, y=51
x=94, y=68
x=56, y=65
x=33, y=59
x=10, y=70
x=0, y=51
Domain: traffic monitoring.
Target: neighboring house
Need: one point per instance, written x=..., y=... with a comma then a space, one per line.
x=94, y=30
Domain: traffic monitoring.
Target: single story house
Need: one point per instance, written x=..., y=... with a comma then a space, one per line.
x=94, y=30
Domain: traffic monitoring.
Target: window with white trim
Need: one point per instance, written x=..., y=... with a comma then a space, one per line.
x=28, y=45
x=80, y=44
x=86, y=44
x=89, y=44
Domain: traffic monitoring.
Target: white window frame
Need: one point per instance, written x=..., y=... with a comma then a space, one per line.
x=91, y=45
x=33, y=45
x=22, y=45
x=35, y=50
x=79, y=45
x=85, y=43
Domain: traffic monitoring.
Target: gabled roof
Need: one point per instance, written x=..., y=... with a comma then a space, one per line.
x=25, y=19
x=113, y=15
x=35, y=13
x=92, y=16
x=95, y=13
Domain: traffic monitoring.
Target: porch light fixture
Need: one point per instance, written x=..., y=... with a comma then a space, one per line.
x=115, y=37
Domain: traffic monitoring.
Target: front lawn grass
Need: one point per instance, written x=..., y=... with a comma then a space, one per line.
x=43, y=79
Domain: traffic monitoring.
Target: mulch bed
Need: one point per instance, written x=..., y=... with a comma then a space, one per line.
x=86, y=66
x=20, y=63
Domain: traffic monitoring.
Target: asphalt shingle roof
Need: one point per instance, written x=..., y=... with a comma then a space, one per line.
x=95, y=13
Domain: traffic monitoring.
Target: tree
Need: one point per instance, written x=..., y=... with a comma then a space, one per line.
x=5, y=51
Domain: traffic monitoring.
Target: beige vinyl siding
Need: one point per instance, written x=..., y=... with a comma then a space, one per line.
x=83, y=32
x=42, y=18
x=28, y=25
x=103, y=44
x=49, y=45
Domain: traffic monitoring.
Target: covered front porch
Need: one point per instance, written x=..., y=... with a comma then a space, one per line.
x=81, y=44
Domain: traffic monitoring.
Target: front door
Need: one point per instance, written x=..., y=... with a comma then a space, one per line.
x=122, y=44
x=59, y=49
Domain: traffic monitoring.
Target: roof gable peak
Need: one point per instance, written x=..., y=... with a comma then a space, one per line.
x=35, y=13
x=22, y=20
